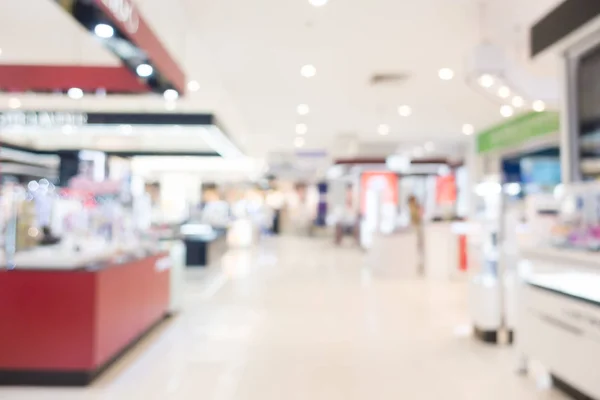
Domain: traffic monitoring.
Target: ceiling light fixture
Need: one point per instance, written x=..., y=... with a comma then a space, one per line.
x=487, y=81
x=144, y=70
x=383, y=129
x=104, y=31
x=468, y=129
x=299, y=142
x=67, y=129
x=0, y=52
x=193, y=86
x=539, y=106
x=308, y=71
x=318, y=3
x=303, y=109
x=301, y=129
x=518, y=102
x=14, y=103
x=75, y=93
x=506, y=111
x=504, y=92
x=446, y=74
x=404, y=111
x=171, y=95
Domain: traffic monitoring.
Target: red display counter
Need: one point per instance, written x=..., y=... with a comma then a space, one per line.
x=66, y=327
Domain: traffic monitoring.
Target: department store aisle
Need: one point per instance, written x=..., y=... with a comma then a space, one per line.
x=300, y=319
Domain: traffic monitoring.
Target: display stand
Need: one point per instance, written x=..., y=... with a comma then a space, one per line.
x=445, y=250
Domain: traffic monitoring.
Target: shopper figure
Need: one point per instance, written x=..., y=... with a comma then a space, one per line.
x=416, y=221
x=347, y=220
x=48, y=238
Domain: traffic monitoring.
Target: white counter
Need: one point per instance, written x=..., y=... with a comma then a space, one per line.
x=441, y=250
x=556, y=255
x=558, y=314
x=63, y=256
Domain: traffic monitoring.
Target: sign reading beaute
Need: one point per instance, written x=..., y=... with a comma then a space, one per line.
x=125, y=12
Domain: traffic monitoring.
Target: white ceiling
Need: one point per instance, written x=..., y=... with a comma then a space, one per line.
x=247, y=57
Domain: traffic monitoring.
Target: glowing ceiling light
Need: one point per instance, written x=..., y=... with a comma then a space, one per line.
x=67, y=129
x=446, y=74
x=14, y=103
x=383, y=129
x=404, y=111
x=144, y=70
x=504, y=92
x=303, y=109
x=104, y=31
x=468, y=129
x=308, y=71
x=193, y=86
x=171, y=95
x=75, y=93
x=506, y=111
x=318, y=3
x=301, y=129
x=299, y=142
x=539, y=106
x=486, y=81
x=518, y=102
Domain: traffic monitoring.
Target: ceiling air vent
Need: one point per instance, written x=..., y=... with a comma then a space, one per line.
x=393, y=78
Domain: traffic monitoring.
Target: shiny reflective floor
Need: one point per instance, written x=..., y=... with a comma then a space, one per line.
x=300, y=319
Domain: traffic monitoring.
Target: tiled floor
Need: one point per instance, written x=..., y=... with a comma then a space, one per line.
x=300, y=320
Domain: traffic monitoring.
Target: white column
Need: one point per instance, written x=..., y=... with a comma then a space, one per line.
x=569, y=121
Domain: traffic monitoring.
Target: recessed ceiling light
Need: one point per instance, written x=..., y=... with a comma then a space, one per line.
x=0, y=52
x=404, y=111
x=170, y=105
x=468, y=129
x=14, y=103
x=518, y=102
x=446, y=74
x=429, y=146
x=486, y=81
x=171, y=95
x=506, y=111
x=299, y=142
x=504, y=92
x=104, y=31
x=303, y=109
x=126, y=129
x=539, y=106
x=301, y=129
x=383, y=129
x=193, y=86
x=144, y=70
x=318, y=3
x=308, y=71
x=75, y=93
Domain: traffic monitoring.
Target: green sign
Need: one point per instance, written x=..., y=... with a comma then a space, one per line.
x=518, y=130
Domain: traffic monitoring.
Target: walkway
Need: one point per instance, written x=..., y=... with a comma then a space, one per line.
x=301, y=320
